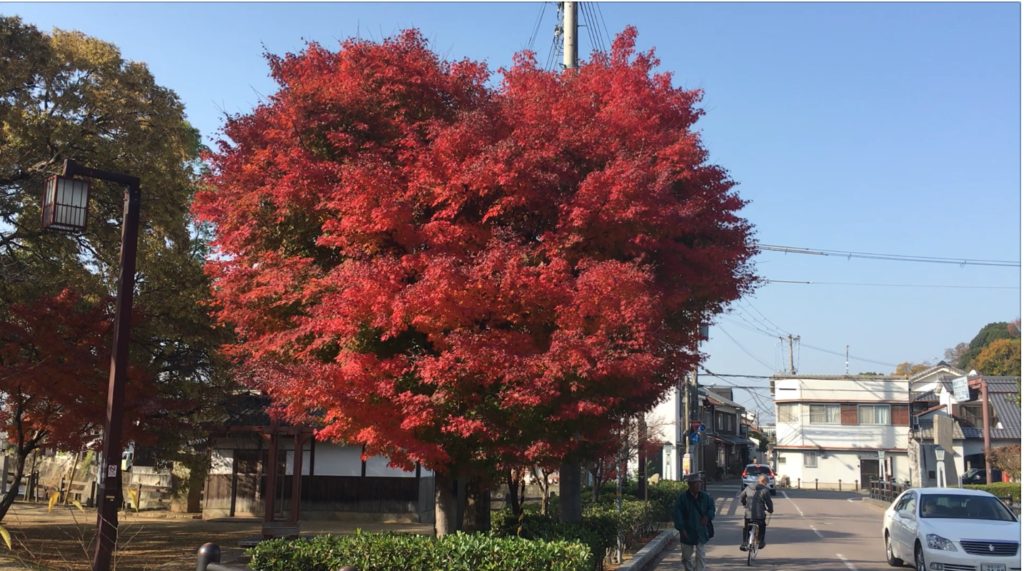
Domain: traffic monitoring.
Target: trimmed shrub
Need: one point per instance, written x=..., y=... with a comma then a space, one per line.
x=596, y=532
x=409, y=552
x=999, y=489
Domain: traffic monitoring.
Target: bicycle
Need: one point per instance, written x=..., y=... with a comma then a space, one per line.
x=752, y=540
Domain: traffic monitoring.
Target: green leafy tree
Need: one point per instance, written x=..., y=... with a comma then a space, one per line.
x=988, y=334
x=65, y=95
x=1001, y=357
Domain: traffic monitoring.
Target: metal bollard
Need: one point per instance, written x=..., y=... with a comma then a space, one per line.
x=815, y=484
x=208, y=553
x=840, y=485
x=856, y=485
x=798, y=483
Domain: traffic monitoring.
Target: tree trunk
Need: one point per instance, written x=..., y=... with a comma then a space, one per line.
x=478, y=509
x=12, y=493
x=570, y=490
x=545, y=490
x=641, y=471
x=513, y=491
x=444, y=505
x=460, y=502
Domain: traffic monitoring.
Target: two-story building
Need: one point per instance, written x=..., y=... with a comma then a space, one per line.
x=833, y=428
x=722, y=444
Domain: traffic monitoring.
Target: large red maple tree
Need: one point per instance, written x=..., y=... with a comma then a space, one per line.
x=464, y=274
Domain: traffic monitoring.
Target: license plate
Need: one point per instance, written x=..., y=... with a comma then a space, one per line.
x=993, y=567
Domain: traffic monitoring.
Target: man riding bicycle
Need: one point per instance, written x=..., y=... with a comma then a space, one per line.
x=758, y=502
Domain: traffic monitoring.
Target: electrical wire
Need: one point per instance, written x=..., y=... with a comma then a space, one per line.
x=888, y=257
x=852, y=358
x=890, y=285
x=536, y=27
x=744, y=349
x=769, y=321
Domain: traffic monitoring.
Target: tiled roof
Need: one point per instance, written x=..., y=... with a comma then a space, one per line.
x=937, y=367
x=929, y=396
x=927, y=431
x=1002, y=384
x=720, y=399
x=840, y=377
x=1008, y=414
x=932, y=409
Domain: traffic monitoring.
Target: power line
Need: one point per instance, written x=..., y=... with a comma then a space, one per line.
x=755, y=357
x=889, y=257
x=851, y=356
x=783, y=331
x=802, y=344
x=890, y=285
x=536, y=28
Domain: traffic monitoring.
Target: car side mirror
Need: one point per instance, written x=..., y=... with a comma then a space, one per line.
x=906, y=514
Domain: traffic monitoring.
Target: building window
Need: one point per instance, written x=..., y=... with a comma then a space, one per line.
x=810, y=460
x=824, y=414
x=873, y=414
x=788, y=412
x=718, y=421
x=782, y=459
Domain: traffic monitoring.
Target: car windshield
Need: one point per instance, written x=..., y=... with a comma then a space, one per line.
x=957, y=506
x=754, y=470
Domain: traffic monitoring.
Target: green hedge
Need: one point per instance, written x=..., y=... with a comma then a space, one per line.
x=409, y=552
x=661, y=495
x=597, y=531
x=999, y=489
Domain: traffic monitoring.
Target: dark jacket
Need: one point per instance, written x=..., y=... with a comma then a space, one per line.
x=687, y=514
x=758, y=501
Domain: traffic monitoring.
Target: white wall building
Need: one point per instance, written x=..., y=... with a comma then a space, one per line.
x=841, y=428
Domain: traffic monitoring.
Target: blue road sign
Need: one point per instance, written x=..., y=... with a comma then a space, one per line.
x=701, y=428
x=695, y=438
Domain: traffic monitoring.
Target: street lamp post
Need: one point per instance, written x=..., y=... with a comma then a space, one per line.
x=65, y=202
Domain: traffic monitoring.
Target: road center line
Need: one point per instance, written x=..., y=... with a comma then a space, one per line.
x=794, y=503
x=845, y=562
x=818, y=533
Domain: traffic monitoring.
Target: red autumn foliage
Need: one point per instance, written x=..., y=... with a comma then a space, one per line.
x=54, y=373
x=459, y=274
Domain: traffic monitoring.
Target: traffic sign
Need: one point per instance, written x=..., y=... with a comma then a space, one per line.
x=701, y=428
x=695, y=425
x=695, y=438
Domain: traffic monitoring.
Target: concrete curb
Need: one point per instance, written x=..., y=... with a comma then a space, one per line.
x=877, y=503
x=650, y=551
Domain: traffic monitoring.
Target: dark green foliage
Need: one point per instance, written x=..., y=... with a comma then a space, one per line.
x=408, y=552
x=999, y=489
x=988, y=334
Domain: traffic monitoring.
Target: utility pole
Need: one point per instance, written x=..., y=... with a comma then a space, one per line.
x=847, y=360
x=570, y=35
x=985, y=421
x=792, y=367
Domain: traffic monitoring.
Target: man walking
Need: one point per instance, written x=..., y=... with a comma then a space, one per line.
x=692, y=515
x=757, y=499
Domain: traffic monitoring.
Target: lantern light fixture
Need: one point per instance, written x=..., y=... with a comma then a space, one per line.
x=65, y=204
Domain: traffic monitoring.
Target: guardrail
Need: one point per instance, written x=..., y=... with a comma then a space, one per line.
x=886, y=490
x=208, y=559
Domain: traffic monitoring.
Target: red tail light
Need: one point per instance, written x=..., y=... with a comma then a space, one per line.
x=771, y=474
x=744, y=473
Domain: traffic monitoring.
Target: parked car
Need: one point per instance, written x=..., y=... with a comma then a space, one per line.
x=950, y=528
x=753, y=471
x=977, y=476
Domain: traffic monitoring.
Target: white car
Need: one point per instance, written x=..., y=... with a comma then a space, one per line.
x=753, y=471
x=949, y=529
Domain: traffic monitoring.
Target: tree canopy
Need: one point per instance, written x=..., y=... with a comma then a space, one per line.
x=66, y=95
x=457, y=274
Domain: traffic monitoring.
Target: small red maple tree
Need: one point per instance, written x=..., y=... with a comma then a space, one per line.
x=54, y=372
x=467, y=276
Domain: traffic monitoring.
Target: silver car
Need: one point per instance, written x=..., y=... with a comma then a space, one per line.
x=753, y=471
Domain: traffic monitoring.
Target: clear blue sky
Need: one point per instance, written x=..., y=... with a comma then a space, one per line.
x=874, y=127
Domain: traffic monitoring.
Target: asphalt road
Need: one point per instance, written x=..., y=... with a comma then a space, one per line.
x=820, y=531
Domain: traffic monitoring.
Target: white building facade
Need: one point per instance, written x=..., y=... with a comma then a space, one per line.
x=848, y=429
